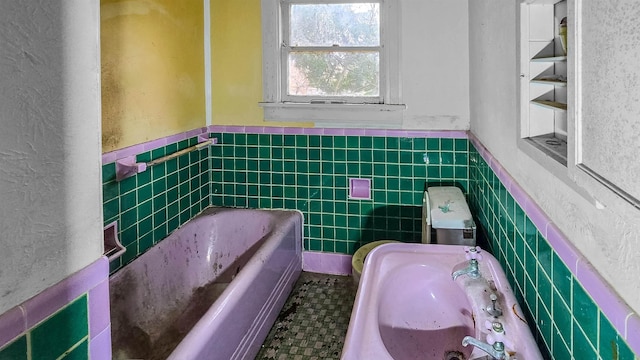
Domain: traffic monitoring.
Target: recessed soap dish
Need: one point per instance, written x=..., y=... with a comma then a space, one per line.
x=113, y=249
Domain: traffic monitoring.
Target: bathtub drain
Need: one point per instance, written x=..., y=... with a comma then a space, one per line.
x=454, y=355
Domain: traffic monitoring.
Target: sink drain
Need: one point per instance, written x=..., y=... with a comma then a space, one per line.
x=454, y=355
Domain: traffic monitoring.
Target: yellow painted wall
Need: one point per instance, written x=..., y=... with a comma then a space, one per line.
x=152, y=54
x=236, y=65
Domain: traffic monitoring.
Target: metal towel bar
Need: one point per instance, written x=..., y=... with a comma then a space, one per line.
x=128, y=166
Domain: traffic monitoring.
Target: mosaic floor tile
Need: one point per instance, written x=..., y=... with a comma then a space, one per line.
x=314, y=320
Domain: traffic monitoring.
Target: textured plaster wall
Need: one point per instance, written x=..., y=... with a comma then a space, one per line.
x=612, y=105
x=434, y=59
x=608, y=237
x=50, y=195
x=152, y=69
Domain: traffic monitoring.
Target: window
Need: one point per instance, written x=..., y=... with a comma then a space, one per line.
x=337, y=56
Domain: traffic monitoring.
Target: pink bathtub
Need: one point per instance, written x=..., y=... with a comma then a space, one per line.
x=211, y=290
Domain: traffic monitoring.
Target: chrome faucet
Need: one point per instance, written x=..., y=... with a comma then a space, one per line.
x=471, y=270
x=493, y=309
x=496, y=350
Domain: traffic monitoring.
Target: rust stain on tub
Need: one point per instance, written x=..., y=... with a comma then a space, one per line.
x=515, y=312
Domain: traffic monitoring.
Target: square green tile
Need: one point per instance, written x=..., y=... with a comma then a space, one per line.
x=433, y=144
x=108, y=172
x=625, y=352
x=127, y=184
x=446, y=144
x=56, y=335
x=17, y=350
x=326, y=141
x=128, y=218
x=561, y=349
x=581, y=345
x=609, y=339
x=277, y=139
x=315, y=244
x=145, y=242
x=446, y=172
x=301, y=141
x=531, y=296
x=252, y=139
x=461, y=144
x=111, y=209
x=561, y=277
x=290, y=140
x=561, y=314
x=144, y=157
x=544, y=321
x=264, y=139
x=585, y=312
x=145, y=209
x=340, y=142
x=314, y=141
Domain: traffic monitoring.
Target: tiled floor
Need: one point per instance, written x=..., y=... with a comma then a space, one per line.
x=314, y=320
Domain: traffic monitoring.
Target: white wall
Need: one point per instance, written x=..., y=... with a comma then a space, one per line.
x=609, y=237
x=435, y=64
x=50, y=185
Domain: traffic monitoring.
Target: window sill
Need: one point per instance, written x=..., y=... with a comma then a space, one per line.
x=336, y=115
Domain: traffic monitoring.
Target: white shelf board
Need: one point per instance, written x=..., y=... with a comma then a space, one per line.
x=549, y=82
x=550, y=59
x=553, y=105
x=541, y=2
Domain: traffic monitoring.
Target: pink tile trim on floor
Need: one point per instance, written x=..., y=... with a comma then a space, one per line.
x=23, y=317
x=100, y=346
x=99, y=316
x=615, y=309
x=326, y=263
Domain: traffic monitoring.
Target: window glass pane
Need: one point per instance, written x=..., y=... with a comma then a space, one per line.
x=339, y=73
x=335, y=24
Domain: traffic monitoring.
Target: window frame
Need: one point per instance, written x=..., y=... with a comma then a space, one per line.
x=385, y=111
x=286, y=49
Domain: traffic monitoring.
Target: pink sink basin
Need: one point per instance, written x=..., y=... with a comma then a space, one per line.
x=425, y=319
x=409, y=307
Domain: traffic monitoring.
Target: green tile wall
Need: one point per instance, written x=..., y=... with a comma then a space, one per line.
x=152, y=204
x=564, y=318
x=311, y=173
x=64, y=335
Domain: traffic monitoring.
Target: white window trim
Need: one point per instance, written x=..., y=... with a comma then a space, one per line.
x=388, y=114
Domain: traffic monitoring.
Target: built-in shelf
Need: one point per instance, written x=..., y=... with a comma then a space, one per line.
x=543, y=74
x=562, y=83
x=552, y=145
x=553, y=105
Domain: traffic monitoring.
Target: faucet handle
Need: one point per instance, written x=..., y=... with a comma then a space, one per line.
x=497, y=334
x=473, y=252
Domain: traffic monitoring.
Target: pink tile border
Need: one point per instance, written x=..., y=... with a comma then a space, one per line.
x=12, y=324
x=326, y=263
x=100, y=347
x=112, y=156
x=99, y=319
x=28, y=314
x=622, y=317
x=133, y=150
x=449, y=134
